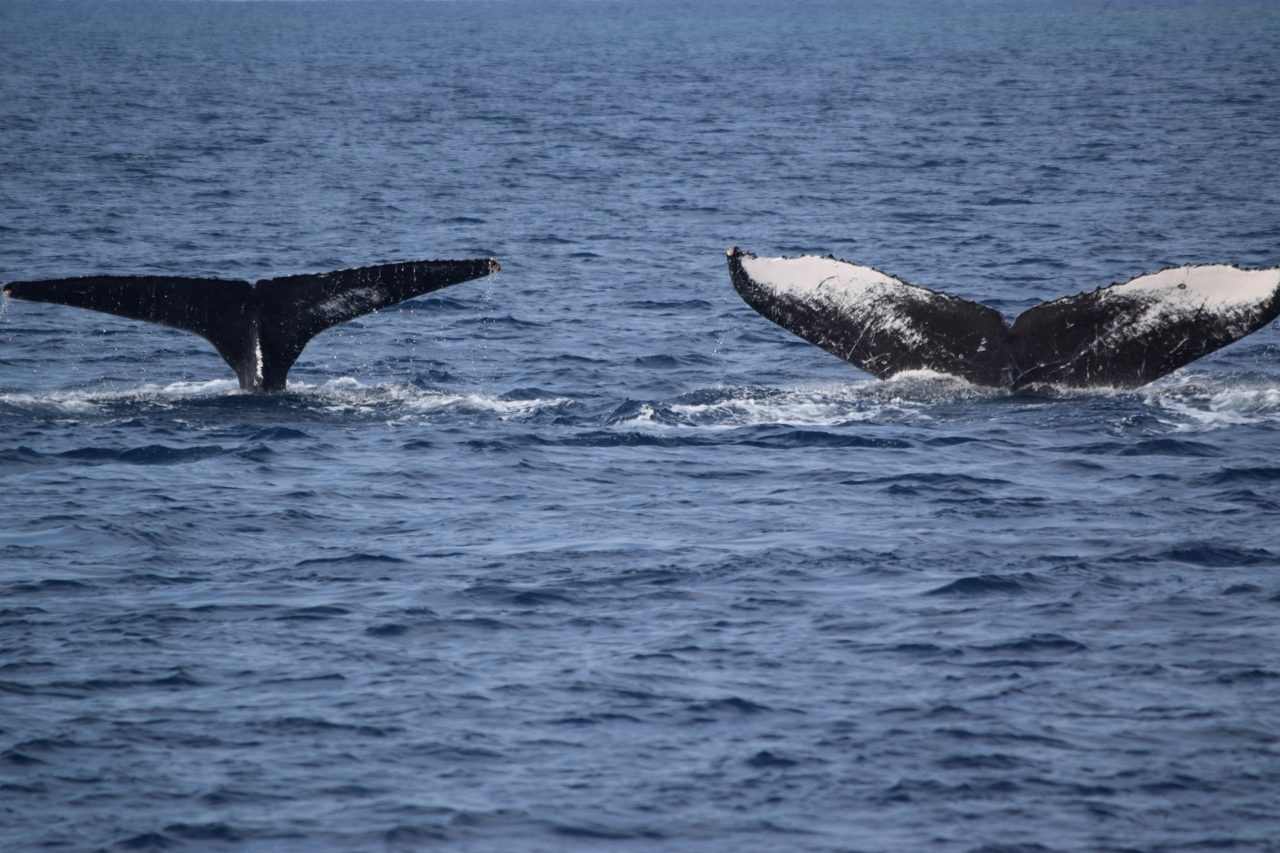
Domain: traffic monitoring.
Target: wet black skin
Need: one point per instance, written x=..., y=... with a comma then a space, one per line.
x=259, y=329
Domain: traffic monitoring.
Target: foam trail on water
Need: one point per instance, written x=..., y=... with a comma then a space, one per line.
x=85, y=401
x=1203, y=403
x=337, y=396
x=909, y=395
x=348, y=395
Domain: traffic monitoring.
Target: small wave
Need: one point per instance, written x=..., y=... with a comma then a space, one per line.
x=203, y=832
x=21, y=455
x=313, y=613
x=387, y=629
x=610, y=438
x=505, y=320
x=977, y=585
x=933, y=480
x=1150, y=447
x=278, y=434
x=670, y=305
x=788, y=438
x=151, y=454
x=767, y=760
x=1235, y=476
x=46, y=585
x=664, y=361
x=1036, y=643
x=519, y=596
x=347, y=559
x=1218, y=555
x=982, y=761
x=730, y=705
x=599, y=833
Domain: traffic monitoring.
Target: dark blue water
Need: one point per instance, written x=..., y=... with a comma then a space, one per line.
x=588, y=555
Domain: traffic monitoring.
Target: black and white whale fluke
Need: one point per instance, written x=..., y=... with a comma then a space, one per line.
x=259, y=329
x=1123, y=335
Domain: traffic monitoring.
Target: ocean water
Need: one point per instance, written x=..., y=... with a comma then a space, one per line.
x=588, y=555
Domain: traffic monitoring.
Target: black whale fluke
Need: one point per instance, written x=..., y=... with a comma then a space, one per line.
x=1123, y=335
x=259, y=329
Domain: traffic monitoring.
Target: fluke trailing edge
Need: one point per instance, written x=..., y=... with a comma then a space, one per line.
x=259, y=329
x=1124, y=335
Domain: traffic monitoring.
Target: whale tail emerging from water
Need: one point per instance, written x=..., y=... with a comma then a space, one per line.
x=1123, y=335
x=259, y=329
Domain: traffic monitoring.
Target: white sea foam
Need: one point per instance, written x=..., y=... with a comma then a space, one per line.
x=343, y=395
x=795, y=407
x=910, y=395
x=348, y=395
x=87, y=401
x=1200, y=406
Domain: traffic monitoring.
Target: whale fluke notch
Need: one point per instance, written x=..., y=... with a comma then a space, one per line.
x=1122, y=335
x=259, y=329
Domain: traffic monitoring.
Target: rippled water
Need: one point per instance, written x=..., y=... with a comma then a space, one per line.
x=588, y=555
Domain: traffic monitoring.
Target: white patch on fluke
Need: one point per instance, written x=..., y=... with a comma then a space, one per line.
x=843, y=287
x=352, y=303
x=1228, y=293
x=1215, y=286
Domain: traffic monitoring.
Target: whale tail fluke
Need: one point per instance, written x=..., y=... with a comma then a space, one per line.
x=1129, y=334
x=1123, y=335
x=294, y=309
x=872, y=320
x=259, y=329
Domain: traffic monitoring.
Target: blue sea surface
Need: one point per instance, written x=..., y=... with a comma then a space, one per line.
x=588, y=555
